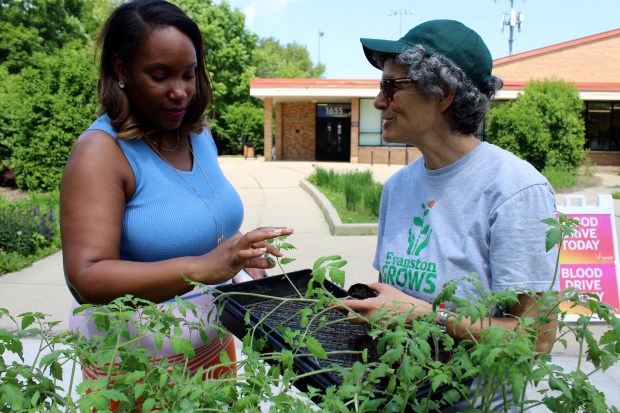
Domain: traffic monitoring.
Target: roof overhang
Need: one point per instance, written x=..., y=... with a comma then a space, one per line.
x=335, y=90
x=590, y=91
x=332, y=90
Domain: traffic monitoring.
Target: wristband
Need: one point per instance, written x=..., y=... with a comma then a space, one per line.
x=442, y=323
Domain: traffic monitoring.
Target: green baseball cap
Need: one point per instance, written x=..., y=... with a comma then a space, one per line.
x=449, y=38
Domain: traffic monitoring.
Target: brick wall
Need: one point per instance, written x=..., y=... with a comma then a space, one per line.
x=298, y=131
x=605, y=158
x=595, y=61
x=388, y=155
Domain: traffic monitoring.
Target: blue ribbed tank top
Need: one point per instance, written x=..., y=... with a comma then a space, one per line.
x=165, y=218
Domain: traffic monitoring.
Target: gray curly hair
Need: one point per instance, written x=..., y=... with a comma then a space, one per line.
x=437, y=75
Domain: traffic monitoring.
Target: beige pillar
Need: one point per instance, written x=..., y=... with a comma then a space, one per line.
x=279, y=148
x=355, y=130
x=267, y=130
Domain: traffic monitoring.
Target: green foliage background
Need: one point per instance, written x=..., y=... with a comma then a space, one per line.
x=48, y=79
x=544, y=125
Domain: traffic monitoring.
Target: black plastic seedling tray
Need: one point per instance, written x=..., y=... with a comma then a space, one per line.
x=340, y=336
x=274, y=313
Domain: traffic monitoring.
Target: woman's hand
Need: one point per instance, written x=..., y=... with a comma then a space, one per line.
x=238, y=252
x=388, y=297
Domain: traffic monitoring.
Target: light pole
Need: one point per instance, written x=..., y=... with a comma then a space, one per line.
x=400, y=18
x=320, y=35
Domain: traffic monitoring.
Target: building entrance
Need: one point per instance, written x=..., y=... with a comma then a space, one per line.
x=333, y=132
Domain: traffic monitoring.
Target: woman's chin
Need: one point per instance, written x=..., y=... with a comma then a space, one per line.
x=390, y=139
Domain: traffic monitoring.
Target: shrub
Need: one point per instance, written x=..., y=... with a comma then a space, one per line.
x=323, y=177
x=560, y=178
x=544, y=125
x=43, y=109
x=372, y=198
x=26, y=232
x=359, y=193
x=29, y=230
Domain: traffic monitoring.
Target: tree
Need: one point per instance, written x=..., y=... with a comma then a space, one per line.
x=42, y=111
x=29, y=26
x=544, y=125
x=18, y=46
x=228, y=48
x=48, y=79
x=274, y=60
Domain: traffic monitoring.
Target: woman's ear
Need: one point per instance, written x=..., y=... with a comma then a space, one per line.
x=120, y=69
x=446, y=101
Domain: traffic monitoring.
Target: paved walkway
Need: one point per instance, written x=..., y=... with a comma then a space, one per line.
x=272, y=196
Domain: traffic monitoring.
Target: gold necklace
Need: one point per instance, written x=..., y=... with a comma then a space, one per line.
x=163, y=148
x=221, y=238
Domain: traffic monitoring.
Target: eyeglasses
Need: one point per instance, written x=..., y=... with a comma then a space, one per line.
x=388, y=86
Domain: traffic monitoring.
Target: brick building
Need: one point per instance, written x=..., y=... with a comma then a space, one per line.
x=326, y=119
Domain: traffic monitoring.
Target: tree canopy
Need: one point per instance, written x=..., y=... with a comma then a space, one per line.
x=48, y=78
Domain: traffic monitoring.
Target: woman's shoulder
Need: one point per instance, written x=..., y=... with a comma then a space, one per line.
x=510, y=173
x=98, y=141
x=505, y=161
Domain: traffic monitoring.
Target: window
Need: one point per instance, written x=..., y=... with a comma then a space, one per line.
x=370, y=125
x=602, y=121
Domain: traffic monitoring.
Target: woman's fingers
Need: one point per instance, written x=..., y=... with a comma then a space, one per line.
x=264, y=233
x=257, y=240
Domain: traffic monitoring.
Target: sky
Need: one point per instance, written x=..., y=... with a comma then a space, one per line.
x=343, y=22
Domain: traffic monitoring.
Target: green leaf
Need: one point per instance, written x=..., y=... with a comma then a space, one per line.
x=337, y=276
x=13, y=396
x=34, y=400
x=27, y=320
x=320, y=261
x=319, y=274
x=187, y=348
x=553, y=238
x=315, y=348
x=158, y=339
x=56, y=370
x=337, y=264
x=176, y=345
x=517, y=381
x=148, y=405
x=438, y=380
x=558, y=384
x=286, y=260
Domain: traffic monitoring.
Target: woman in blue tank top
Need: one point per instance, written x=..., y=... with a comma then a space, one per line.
x=144, y=202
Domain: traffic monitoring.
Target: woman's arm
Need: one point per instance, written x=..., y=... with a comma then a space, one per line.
x=95, y=187
x=395, y=300
x=526, y=307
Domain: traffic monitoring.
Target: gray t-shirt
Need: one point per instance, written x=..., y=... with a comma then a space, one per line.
x=481, y=214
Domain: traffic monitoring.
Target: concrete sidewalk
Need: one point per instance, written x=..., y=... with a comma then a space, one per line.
x=272, y=196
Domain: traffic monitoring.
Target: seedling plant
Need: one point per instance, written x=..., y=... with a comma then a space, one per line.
x=407, y=364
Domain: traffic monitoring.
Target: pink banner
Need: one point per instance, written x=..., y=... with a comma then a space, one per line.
x=587, y=260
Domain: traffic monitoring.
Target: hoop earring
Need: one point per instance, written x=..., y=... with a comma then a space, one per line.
x=122, y=85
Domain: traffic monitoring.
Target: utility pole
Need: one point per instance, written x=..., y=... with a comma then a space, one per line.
x=320, y=35
x=400, y=13
x=511, y=19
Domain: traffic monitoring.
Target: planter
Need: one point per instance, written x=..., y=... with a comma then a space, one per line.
x=268, y=314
